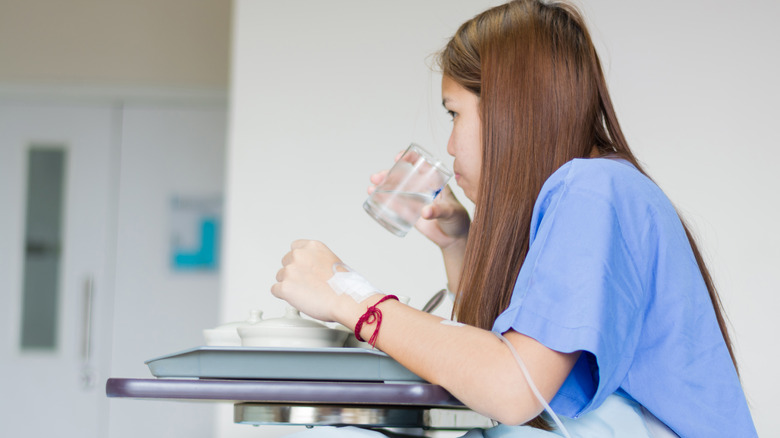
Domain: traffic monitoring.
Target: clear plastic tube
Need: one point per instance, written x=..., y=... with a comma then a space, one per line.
x=533, y=386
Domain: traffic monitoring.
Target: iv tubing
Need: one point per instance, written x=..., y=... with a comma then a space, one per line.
x=533, y=386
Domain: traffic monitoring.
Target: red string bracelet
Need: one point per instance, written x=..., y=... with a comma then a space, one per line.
x=372, y=315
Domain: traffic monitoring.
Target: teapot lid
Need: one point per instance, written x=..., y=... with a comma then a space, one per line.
x=292, y=318
x=255, y=316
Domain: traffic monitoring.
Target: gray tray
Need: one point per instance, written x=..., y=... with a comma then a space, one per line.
x=328, y=364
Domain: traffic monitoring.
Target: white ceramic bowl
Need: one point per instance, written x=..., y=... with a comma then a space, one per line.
x=291, y=331
x=226, y=335
x=221, y=338
x=351, y=340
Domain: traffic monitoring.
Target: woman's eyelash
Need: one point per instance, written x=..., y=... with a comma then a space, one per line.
x=452, y=114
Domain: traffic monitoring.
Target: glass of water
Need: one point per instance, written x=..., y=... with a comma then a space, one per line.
x=412, y=183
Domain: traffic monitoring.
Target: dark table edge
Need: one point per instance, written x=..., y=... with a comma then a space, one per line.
x=290, y=392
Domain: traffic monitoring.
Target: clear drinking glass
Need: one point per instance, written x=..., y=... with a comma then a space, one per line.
x=412, y=183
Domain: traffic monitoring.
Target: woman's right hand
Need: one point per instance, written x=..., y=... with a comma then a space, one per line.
x=445, y=222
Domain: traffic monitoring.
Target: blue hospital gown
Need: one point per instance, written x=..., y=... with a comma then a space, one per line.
x=610, y=272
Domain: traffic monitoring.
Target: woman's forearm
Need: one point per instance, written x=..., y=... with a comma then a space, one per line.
x=472, y=364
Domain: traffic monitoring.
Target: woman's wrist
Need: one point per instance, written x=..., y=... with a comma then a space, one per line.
x=455, y=248
x=350, y=312
x=454, y=256
x=373, y=319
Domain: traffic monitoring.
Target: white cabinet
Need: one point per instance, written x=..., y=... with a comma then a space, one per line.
x=109, y=298
x=54, y=351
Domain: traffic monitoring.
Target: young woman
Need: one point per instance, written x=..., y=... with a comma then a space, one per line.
x=574, y=255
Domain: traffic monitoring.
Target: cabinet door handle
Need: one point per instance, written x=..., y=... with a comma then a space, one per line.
x=87, y=374
x=86, y=340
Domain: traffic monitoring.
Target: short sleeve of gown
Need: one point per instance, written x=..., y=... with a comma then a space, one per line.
x=578, y=290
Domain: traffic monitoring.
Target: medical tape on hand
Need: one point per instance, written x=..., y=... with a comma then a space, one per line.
x=350, y=283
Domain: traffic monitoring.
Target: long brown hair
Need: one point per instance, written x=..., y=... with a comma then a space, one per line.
x=543, y=102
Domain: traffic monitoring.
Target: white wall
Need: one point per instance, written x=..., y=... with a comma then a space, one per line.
x=695, y=86
x=324, y=93
x=167, y=150
x=163, y=66
x=172, y=43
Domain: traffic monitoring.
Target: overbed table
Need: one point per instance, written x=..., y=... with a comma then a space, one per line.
x=258, y=401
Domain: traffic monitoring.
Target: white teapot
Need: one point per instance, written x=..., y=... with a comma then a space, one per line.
x=291, y=330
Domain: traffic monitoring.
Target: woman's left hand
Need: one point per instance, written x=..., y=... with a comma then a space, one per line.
x=303, y=280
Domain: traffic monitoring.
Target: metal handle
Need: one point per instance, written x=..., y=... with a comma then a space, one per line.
x=87, y=374
x=435, y=301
